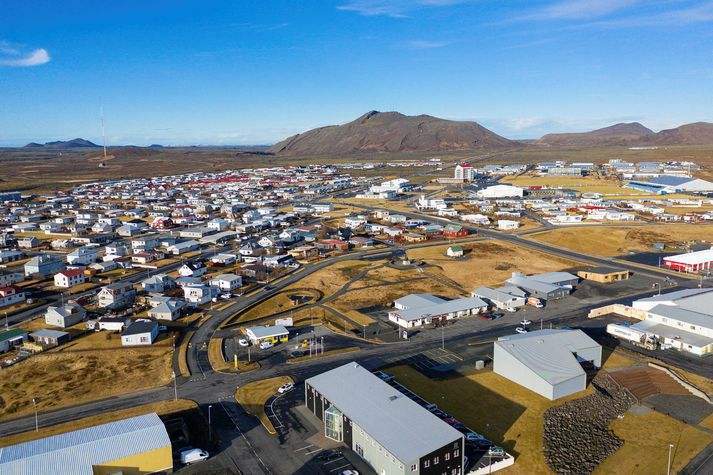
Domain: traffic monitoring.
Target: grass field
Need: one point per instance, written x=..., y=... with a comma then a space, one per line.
x=280, y=302
x=161, y=408
x=512, y=416
x=253, y=397
x=613, y=241
x=582, y=184
x=89, y=368
x=487, y=263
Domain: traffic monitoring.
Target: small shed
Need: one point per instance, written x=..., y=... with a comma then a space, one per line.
x=50, y=338
x=454, y=251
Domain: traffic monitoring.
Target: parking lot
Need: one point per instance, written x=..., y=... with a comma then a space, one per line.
x=433, y=359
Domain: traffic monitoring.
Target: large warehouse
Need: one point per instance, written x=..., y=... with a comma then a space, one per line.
x=392, y=433
x=667, y=184
x=548, y=362
x=691, y=262
x=133, y=446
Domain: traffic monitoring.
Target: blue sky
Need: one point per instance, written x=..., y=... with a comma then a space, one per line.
x=250, y=72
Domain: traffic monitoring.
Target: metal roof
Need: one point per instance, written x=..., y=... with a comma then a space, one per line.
x=137, y=328
x=264, y=331
x=10, y=334
x=449, y=306
x=668, y=180
x=530, y=284
x=418, y=300
x=549, y=353
x=74, y=453
x=684, y=315
x=690, y=258
x=401, y=426
x=44, y=333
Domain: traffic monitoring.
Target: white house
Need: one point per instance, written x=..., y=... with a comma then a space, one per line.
x=140, y=333
x=65, y=316
x=82, y=256
x=199, y=294
x=226, y=282
x=69, y=278
x=192, y=269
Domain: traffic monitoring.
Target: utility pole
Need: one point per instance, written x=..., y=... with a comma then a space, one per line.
x=37, y=424
x=210, y=432
x=175, y=386
x=668, y=467
x=443, y=337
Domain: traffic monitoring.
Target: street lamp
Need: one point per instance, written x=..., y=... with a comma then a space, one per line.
x=657, y=284
x=668, y=467
x=37, y=424
x=210, y=432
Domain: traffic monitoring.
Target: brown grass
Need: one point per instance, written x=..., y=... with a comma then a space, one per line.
x=613, y=241
x=218, y=363
x=337, y=351
x=253, y=397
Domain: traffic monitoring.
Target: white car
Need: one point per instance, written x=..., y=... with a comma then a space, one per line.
x=526, y=322
x=264, y=345
x=285, y=387
x=243, y=342
x=510, y=309
x=521, y=330
x=349, y=472
x=190, y=456
x=226, y=296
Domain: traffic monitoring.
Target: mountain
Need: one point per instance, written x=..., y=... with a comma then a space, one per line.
x=392, y=132
x=74, y=143
x=697, y=133
x=617, y=134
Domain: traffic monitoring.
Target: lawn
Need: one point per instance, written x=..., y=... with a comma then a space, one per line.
x=611, y=241
x=280, y=302
x=89, y=368
x=162, y=408
x=253, y=397
x=487, y=263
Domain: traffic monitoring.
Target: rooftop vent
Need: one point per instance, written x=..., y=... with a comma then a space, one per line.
x=393, y=398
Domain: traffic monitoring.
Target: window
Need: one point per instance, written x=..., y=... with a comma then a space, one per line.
x=426, y=463
x=359, y=450
x=435, y=460
x=456, y=453
x=144, y=339
x=414, y=467
x=447, y=457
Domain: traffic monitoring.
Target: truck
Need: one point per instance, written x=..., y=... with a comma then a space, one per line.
x=535, y=302
x=191, y=455
x=632, y=335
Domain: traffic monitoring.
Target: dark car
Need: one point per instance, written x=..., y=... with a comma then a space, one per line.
x=480, y=444
x=497, y=314
x=439, y=413
x=330, y=454
x=486, y=316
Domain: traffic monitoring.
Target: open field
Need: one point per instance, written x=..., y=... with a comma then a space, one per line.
x=280, y=302
x=646, y=450
x=512, y=416
x=610, y=241
x=487, y=263
x=161, y=408
x=253, y=397
x=89, y=368
x=582, y=184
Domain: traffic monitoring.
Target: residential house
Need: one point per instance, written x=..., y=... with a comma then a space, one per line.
x=116, y=296
x=65, y=316
x=82, y=256
x=69, y=278
x=158, y=283
x=12, y=338
x=140, y=333
x=11, y=295
x=43, y=265
x=226, y=282
x=454, y=231
x=7, y=256
x=199, y=294
x=192, y=269
x=170, y=309
x=113, y=324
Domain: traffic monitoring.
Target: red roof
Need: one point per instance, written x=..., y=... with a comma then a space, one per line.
x=71, y=272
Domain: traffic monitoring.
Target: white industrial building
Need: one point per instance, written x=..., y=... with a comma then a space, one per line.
x=690, y=262
x=681, y=320
x=550, y=363
x=508, y=297
x=418, y=309
x=501, y=191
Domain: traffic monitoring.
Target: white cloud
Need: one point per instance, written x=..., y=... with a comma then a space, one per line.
x=14, y=58
x=393, y=8
x=581, y=9
x=426, y=44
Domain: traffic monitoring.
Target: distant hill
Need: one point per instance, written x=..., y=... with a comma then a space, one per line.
x=618, y=134
x=697, y=133
x=392, y=132
x=74, y=143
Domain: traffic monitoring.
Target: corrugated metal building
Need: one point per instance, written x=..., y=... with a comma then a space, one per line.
x=133, y=446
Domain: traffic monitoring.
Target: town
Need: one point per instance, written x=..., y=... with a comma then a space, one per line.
x=283, y=277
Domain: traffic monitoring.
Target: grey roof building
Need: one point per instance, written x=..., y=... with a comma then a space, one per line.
x=392, y=433
x=548, y=362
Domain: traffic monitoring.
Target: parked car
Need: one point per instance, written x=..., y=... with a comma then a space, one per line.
x=264, y=345
x=386, y=377
x=430, y=407
x=243, y=342
x=521, y=330
x=450, y=421
x=349, y=472
x=486, y=316
x=539, y=305
x=459, y=426
x=285, y=388
x=330, y=454
x=439, y=413
x=525, y=322
x=496, y=451
x=471, y=436
x=190, y=456
x=226, y=296
x=481, y=444
x=497, y=314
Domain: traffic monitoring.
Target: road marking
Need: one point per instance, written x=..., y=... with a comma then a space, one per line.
x=247, y=442
x=313, y=451
x=339, y=468
x=335, y=460
x=306, y=447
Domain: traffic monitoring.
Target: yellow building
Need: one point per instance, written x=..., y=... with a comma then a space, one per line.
x=604, y=275
x=273, y=334
x=135, y=446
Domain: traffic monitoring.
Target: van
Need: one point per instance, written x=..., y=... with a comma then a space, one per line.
x=190, y=456
x=264, y=345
